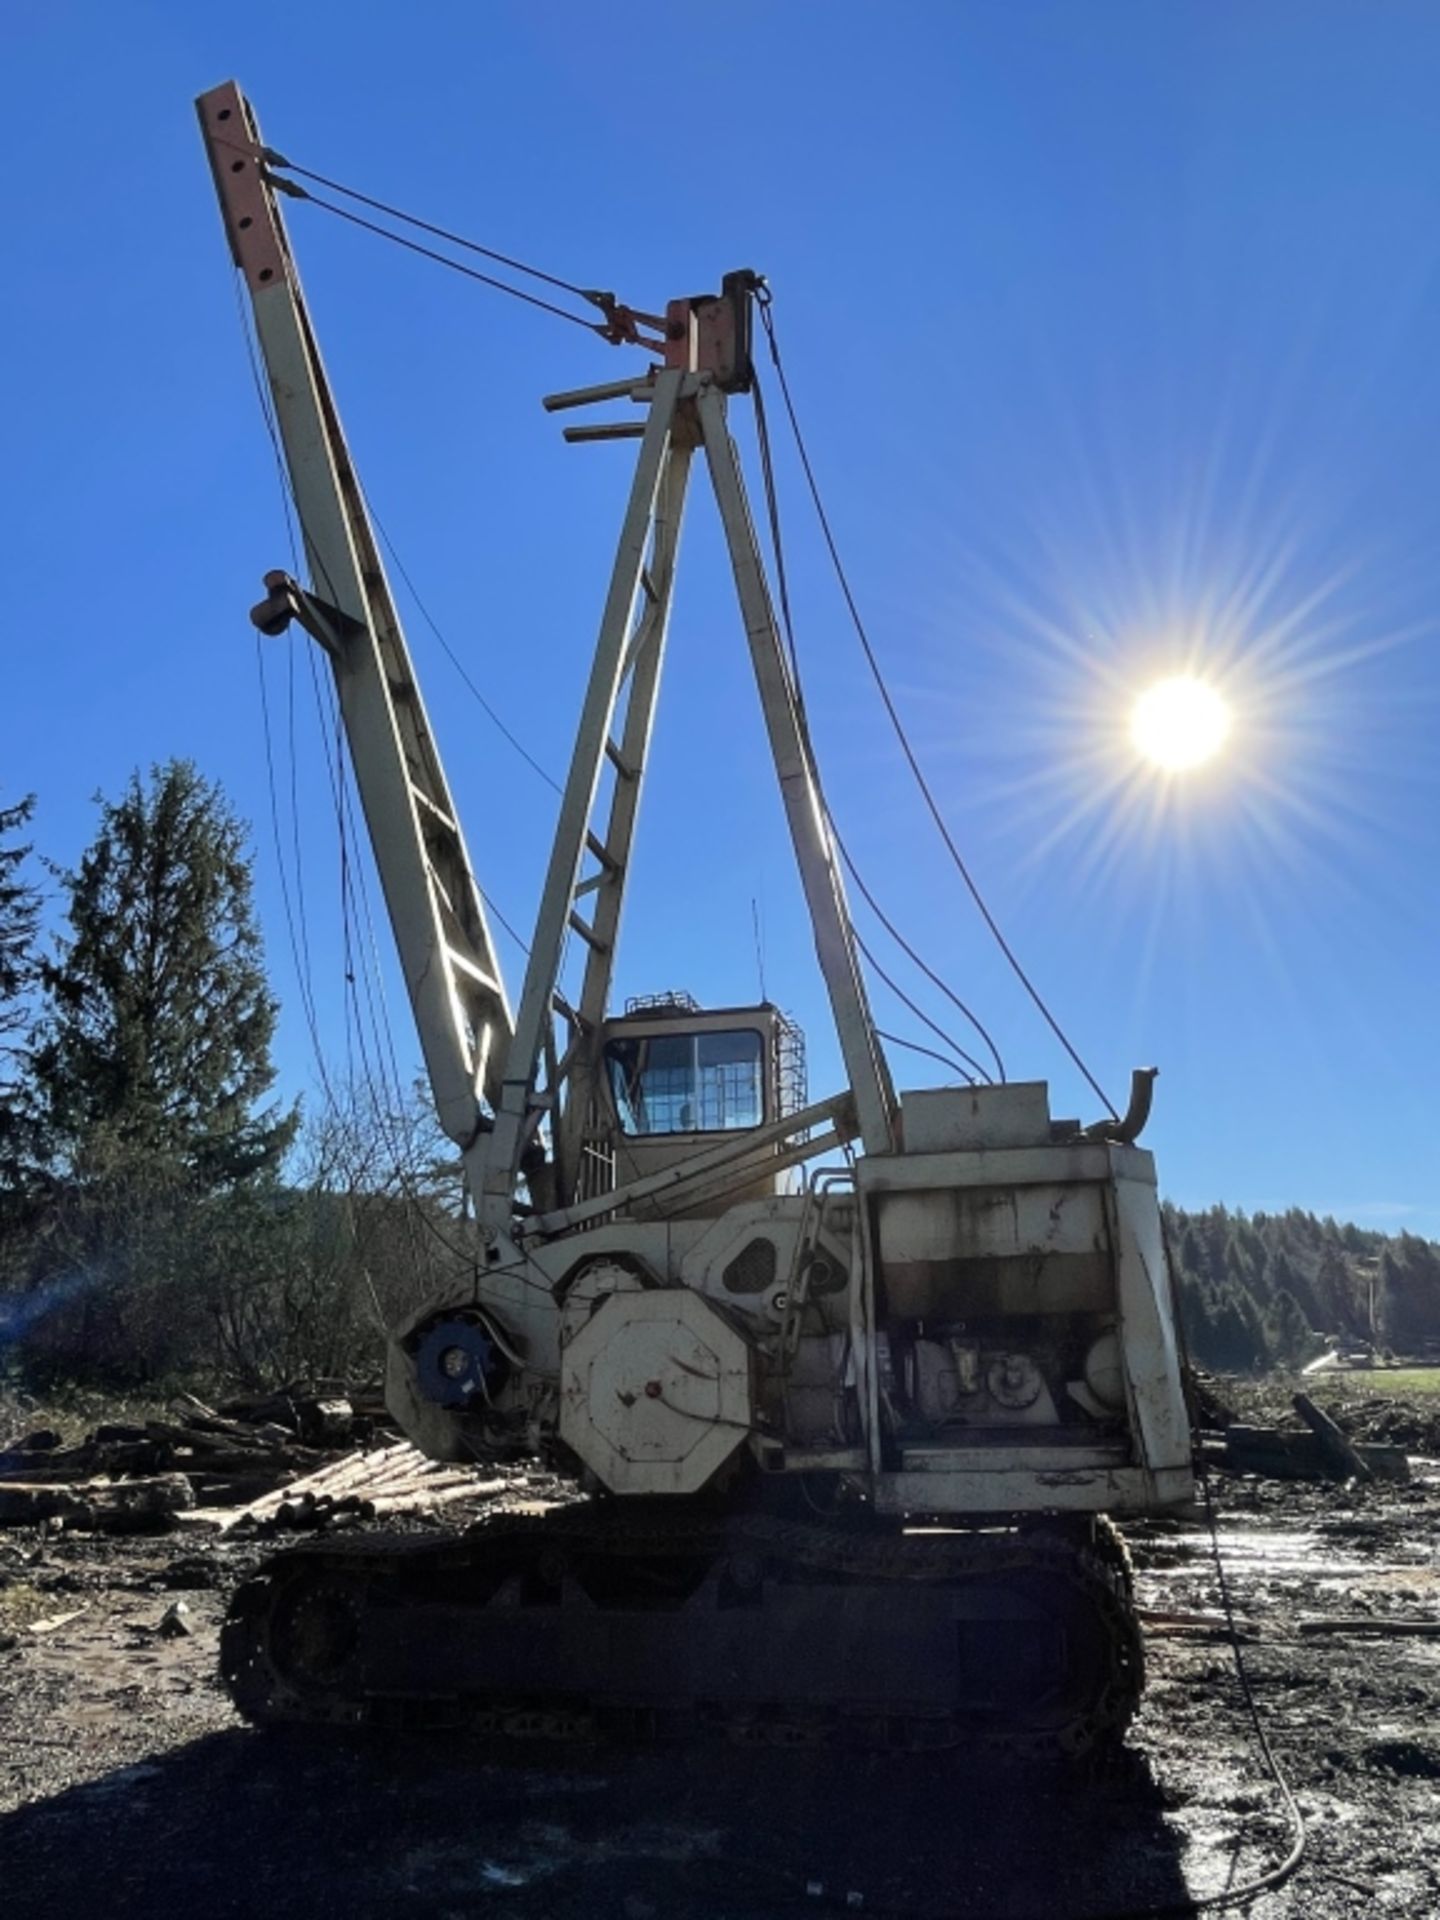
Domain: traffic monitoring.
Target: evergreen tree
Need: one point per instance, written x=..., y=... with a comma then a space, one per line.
x=1240, y=1267
x=19, y=920
x=1337, y=1294
x=1392, y=1304
x=19, y=923
x=1288, y=1330
x=157, y=1043
x=1192, y=1251
x=151, y=1070
x=1286, y=1277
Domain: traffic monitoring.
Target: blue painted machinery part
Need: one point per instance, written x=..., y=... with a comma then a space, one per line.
x=456, y=1360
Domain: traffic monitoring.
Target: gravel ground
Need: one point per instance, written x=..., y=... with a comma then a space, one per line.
x=128, y=1786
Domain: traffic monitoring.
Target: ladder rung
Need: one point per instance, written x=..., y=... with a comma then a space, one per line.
x=588, y=934
x=616, y=430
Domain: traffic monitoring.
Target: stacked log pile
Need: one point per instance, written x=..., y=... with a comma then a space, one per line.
x=289, y=1461
x=392, y=1477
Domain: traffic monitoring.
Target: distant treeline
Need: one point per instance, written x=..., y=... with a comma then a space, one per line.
x=1272, y=1289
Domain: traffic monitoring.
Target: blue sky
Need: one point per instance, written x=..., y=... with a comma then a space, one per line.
x=1113, y=327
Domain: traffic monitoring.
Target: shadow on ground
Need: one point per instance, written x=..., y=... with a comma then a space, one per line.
x=240, y=1823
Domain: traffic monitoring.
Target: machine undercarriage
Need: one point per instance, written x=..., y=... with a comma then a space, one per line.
x=598, y=1623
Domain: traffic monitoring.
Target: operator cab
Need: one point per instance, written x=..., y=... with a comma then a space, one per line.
x=678, y=1078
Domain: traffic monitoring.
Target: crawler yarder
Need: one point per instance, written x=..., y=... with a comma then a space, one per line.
x=957, y=1346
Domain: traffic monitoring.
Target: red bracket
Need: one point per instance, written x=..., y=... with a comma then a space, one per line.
x=711, y=332
x=237, y=154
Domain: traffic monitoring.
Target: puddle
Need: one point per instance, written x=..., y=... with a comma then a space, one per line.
x=1300, y=1558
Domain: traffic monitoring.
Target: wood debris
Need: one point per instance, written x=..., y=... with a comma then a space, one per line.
x=1320, y=1450
x=53, y=1622
x=97, y=1506
x=1387, y=1626
x=390, y=1478
x=288, y=1460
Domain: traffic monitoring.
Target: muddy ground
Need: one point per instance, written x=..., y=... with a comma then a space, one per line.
x=129, y=1787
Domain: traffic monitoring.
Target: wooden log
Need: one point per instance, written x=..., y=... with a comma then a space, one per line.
x=1335, y=1445
x=240, y=1489
x=196, y=1406
x=395, y=1463
x=244, y=1460
x=1185, y=1617
x=276, y=1408
x=338, y=1475
x=437, y=1496
x=231, y=1434
x=1281, y=1453
x=86, y=1462
x=1381, y=1625
x=353, y=1470
x=76, y=1463
x=201, y=1439
x=53, y=1622
x=390, y=1479
x=98, y=1506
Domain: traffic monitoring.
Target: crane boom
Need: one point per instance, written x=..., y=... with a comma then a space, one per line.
x=448, y=958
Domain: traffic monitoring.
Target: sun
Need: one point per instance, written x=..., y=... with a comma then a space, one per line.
x=1179, y=723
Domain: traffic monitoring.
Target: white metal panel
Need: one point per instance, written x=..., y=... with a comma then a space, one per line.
x=655, y=1392
x=1149, y=1355
x=961, y=1119
x=972, y=1223
x=1016, y=1487
x=1069, y=1164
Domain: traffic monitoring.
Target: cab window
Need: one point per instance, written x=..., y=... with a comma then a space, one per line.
x=688, y=1082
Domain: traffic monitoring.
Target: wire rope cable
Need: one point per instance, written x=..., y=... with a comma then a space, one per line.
x=904, y=998
x=782, y=585
x=901, y=733
x=452, y=656
x=440, y=259
x=920, y=962
x=914, y=1046
x=391, y=212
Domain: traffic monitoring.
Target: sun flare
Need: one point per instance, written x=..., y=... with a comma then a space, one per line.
x=1179, y=723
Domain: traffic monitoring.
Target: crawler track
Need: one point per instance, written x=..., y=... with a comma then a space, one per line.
x=590, y=1624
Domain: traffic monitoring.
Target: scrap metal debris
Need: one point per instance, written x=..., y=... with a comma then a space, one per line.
x=176, y=1621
